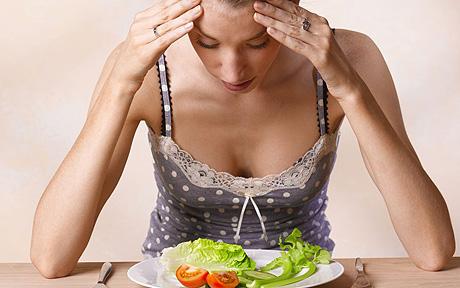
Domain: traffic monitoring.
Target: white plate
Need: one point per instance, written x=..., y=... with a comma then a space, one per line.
x=148, y=273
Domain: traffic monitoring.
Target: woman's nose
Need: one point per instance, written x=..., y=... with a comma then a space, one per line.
x=233, y=71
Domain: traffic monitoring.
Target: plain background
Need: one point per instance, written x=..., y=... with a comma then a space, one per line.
x=51, y=56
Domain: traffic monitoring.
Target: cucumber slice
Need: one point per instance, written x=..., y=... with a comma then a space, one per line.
x=244, y=280
x=254, y=275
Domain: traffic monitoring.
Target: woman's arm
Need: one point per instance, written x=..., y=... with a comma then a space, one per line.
x=68, y=209
x=70, y=205
x=416, y=207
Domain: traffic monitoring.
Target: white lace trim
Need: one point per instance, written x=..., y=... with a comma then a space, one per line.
x=202, y=175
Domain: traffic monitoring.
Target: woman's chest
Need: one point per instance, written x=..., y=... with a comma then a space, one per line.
x=244, y=142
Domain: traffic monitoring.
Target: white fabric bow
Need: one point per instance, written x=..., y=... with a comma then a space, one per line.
x=240, y=221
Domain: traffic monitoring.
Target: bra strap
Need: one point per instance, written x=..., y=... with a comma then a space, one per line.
x=166, y=126
x=321, y=104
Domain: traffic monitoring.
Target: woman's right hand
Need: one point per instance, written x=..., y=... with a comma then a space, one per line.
x=142, y=48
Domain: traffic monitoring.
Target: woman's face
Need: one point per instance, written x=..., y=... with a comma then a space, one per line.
x=232, y=46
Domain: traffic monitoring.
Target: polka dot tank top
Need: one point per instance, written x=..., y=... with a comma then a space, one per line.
x=194, y=200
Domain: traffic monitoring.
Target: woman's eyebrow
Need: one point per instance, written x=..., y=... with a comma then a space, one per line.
x=261, y=33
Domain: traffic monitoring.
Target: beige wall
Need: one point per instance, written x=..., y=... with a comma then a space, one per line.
x=51, y=56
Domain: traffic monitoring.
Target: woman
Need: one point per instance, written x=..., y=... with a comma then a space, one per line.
x=246, y=96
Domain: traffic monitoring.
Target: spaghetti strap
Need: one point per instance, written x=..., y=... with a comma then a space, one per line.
x=321, y=101
x=321, y=104
x=166, y=110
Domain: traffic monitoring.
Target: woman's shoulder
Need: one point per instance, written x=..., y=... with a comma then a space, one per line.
x=351, y=37
x=354, y=44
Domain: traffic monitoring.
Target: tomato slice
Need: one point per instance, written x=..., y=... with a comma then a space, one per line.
x=191, y=277
x=227, y=279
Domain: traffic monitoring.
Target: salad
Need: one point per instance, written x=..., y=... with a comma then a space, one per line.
x=207, y=263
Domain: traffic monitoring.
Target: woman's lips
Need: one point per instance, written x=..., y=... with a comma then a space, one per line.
x=238, y=87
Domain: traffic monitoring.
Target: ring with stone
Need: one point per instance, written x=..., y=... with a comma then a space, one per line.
x=306, y=24
x=156, y=32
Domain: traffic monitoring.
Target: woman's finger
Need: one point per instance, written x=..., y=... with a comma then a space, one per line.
x=277, y=13
x=295, y=44
x=294, y=18
x=148, y=24
x=316, y=55
x=163, y=42
x=292, y=7
x=164, y=15
x=159, y=6
x=293, y=31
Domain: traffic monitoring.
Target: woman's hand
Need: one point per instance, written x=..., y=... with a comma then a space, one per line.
x=284, y=18
x=142, y=48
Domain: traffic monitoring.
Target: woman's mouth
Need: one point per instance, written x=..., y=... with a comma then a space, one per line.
x=237, y=87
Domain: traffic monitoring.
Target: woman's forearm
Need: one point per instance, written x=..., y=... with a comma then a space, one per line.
x=66, y=212
x=416, y=207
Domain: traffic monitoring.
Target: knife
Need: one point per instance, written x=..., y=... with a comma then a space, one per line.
x=361, y=280
x=105, y=271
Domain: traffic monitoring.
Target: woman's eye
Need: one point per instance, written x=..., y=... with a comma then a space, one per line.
x=211, y=46
x=260, y=46
x=206, y=45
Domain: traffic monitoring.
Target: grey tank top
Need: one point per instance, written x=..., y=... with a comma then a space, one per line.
x=194, y=200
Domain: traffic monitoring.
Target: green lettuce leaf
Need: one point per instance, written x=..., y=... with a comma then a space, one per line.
x=207, y=254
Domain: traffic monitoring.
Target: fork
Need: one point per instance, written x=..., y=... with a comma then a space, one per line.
x=105, y=271
x=361, y=280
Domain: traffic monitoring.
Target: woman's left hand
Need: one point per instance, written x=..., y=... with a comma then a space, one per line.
x=284, y=21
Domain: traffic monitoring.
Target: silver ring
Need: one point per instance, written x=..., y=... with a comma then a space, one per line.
x=306, y=24
x=156, y=32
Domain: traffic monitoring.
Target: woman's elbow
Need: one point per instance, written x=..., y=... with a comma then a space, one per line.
x=434, y=265
x=436, y=261
x=49, y=270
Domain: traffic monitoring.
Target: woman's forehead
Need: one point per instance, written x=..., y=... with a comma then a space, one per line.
x=220, y=19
